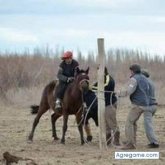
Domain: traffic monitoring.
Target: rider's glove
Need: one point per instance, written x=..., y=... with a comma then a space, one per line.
x=70, y=79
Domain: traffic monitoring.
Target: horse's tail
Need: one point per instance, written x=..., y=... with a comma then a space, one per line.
x=48, y=90
x=34, y=109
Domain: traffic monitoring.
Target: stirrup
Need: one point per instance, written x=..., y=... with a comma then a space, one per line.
x=58, y=106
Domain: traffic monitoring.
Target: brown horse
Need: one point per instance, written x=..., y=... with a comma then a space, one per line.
x=72, y=104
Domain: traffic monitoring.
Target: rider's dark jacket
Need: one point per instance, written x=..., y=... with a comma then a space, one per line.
x=65, y=72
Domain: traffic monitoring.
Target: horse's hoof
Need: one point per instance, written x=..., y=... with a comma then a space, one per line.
x=82, y=142
x=30, y=138
x=56, y=138
x=89, y=138
x=62, y=142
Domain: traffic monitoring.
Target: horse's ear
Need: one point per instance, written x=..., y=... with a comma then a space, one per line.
x=87, y=71
x=77, y=70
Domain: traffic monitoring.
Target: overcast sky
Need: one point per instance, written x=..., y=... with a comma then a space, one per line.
x=75, y=24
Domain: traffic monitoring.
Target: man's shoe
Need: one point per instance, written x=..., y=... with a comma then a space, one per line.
x=117, y=138
x=128, y=146
x=153, y=145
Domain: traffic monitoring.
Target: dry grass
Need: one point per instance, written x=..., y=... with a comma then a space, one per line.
x=26, y=70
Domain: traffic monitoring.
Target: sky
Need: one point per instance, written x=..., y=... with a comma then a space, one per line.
x=76, y=25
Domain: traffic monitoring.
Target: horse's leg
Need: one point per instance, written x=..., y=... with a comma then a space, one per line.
x=54, y=117
x=65, y=121
x=88, y=132
x=87, y=127
x=80, y=128
x=42, y=110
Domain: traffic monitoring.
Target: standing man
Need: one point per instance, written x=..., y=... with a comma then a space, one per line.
x=65, y=75
x=110, y=109
x=149, y=113
x=139, y=91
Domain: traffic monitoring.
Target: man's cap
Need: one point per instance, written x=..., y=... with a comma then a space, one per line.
x=136, y=68
x=67, y=55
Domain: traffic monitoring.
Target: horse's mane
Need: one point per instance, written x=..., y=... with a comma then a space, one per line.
x=81, y=71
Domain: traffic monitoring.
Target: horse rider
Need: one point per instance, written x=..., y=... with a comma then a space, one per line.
x=65, y=75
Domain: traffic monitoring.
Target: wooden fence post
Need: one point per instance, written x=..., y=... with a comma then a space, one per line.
x=101, y=100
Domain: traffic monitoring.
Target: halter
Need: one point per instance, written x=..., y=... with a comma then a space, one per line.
x=81, y=82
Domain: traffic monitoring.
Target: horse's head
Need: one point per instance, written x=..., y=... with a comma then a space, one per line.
x=82, y=78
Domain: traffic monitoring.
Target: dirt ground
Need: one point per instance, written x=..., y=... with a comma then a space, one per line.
x=16, y=123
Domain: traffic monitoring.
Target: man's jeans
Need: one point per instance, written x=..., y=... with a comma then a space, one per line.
x=148, y=124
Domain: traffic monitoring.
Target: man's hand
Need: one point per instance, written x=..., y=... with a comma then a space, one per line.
x=121, y=93
x=70, y=79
